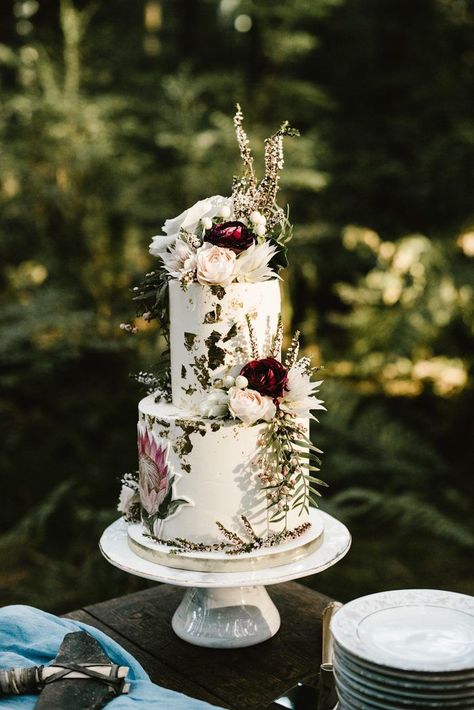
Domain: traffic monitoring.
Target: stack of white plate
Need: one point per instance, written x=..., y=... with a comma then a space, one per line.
x=405, y=649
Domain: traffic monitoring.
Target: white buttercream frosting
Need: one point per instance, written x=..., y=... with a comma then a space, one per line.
x=216, y=471
x=209, y=336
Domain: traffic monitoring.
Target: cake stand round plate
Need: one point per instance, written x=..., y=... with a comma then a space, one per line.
x=226, y=609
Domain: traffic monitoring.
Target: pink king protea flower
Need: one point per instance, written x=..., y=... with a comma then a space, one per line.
x=154, y=473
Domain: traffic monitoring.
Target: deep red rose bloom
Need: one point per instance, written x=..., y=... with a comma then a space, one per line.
x=232, y=235
x=267, y=376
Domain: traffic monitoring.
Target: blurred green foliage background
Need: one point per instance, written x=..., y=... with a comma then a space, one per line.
x=117, y=115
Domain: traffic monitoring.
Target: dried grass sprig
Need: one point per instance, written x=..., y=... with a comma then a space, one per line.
x=293, y=350
x=244, y=148
x=248, y=528
x=229, y=535
x=234, y=545
x=274, y=161
x=275, y=349
x=252, y=338
x=247, y=194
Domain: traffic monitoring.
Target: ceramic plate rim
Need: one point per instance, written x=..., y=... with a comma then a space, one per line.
x=388, y=703
x=346, y=622
x=406, y=697
x=403, y=682
x=450, y=678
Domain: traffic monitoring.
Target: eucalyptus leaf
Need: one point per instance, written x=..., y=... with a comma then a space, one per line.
x=308, y=444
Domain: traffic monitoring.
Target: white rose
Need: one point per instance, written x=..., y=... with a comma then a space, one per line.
x=215, y=265
x=189, y=221
x=224, y=212
x=128, y=496
x=257, y=217
x=250, y=406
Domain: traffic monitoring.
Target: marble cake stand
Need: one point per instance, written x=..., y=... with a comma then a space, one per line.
x=226, y=609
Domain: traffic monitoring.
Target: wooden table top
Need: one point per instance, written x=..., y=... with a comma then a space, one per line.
x=240, y=679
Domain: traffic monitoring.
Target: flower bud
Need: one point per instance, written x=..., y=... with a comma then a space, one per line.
x=206, y=222
x=224, y=212
x=228, y=381
x=260, y=230
x=257, y=217
x=241, y=382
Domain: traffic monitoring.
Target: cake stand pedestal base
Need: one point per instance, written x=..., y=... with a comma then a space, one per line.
x=227, y=609
x=231, y=617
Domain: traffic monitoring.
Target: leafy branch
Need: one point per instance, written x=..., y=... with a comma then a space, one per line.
x=151, y=299
x=289, y=461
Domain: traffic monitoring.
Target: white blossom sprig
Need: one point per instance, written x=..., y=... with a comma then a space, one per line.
x=245, y=150
x=277, y=340
x=248, y=195
x=274, y=161
x=293, y=350
x=252, y=337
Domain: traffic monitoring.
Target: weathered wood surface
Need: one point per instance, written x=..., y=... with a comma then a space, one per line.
x=245, y=679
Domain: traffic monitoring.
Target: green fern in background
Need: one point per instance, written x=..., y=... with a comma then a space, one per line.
x=102, y=140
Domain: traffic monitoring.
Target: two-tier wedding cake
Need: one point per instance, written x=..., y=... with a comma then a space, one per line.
x=226, y=464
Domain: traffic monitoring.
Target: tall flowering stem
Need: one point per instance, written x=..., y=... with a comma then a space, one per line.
x=274, y=162
x=252, y=337
x=244, y=148
x=277, y=340
x=231, y=536
x=293, y=350
x=248, y=195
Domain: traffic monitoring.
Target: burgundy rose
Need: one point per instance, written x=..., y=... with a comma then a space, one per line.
x=267, y=376
x=231, y=235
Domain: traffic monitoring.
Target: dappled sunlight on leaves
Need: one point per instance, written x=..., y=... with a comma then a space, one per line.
x=102, y=140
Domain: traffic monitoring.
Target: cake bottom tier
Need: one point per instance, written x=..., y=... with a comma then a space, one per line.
x=200, y=478
x=288, y=551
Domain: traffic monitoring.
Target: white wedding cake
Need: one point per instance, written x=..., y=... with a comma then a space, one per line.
x=225, y=460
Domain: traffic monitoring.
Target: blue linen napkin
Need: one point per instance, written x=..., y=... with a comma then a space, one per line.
x=29, y=636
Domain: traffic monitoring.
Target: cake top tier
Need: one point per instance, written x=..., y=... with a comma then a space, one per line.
x=216, y=278
x=210, y=337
